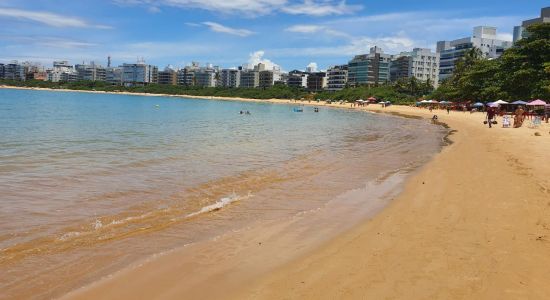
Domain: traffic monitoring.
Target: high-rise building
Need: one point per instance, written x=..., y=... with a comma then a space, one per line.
x=316, y=81
x=205, y=77
x=372, y=68
x=90, y=72
x=1, y=71
x=521, y=30
x=113, y=75
x=61, y=71
x=249, y=79
x=337, y=77
x=421, y=63
x=230, y=78
x=484, y=38
x=139, y=74
x=169, y=76
x=13, y=71
x=297, y=79
x=266, y=79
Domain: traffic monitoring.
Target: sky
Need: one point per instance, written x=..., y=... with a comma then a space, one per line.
x=290, y=33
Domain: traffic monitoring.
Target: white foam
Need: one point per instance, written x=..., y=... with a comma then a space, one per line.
x=218, y=205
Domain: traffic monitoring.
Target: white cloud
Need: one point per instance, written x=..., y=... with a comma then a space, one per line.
x=358, y=45
x=305, y=28
x=47, y=18
x=312, y=8
x=312, y=66
x=258, y=57
x=216, y=27
x=256, y=7
x=312, y=29
x=505, y=36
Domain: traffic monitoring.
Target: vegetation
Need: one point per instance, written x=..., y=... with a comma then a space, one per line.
x=402, y=91
x=521, y=73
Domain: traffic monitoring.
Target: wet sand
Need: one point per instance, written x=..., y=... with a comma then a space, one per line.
x=473, y=223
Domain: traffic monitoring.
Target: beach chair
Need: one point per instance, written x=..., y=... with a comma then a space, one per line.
x=506, y=122
x=535, y=122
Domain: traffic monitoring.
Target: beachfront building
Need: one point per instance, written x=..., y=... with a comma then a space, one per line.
x=483, y=38
x=249, y=79
x=372, y=68
x=139, y=73
x=1, y=71
x=266, y=79
x=90, y=72
x=297, y=79
x=113, y=75
x=205, y=77
x=337, y=77
x=317, y=81
x=421, y=63
x=186, y=77
x=168, y=76
x=230, y=78
x=521, y=32
x=13, y=71
x=61, y=71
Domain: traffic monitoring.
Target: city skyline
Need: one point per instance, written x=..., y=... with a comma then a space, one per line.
x=291, y=34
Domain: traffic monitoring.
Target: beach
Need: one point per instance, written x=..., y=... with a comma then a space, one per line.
x=472, y=223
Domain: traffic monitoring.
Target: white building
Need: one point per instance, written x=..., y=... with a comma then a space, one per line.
x=421, y=63
x=61, y=71
x=484, y=38
x=337, y=77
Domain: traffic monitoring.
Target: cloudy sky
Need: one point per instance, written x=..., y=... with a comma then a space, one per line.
x=291, y=33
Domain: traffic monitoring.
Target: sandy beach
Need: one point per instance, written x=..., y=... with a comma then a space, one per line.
x=474, y=223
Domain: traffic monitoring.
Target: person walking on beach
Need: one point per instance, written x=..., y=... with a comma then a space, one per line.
x=448, y=110
x=490, y=116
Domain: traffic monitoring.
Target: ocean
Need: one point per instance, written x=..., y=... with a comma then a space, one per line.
x=90, y=183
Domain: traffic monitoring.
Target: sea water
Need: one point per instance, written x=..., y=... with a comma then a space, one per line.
x=90, y=182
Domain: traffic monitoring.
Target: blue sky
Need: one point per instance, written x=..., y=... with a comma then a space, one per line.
x=228, y=33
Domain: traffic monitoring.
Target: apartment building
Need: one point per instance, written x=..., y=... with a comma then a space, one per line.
x=372, y=68
x=337, y=77
x=421, y=63
x=483, y=38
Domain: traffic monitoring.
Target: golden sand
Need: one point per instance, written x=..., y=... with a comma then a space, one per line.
x=474, y=223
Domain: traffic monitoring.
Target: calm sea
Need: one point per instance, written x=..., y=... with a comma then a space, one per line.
x=85, y=177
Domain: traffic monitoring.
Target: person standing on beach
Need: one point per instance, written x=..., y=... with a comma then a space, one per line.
x=518, y=117
x=448, y=110
x=490, y=116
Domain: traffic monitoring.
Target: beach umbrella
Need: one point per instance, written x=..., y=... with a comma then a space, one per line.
x=371, y=99
x=500, y=102
x=537, y=102
x=494, y=104
x=519, y=102
x=478, y=104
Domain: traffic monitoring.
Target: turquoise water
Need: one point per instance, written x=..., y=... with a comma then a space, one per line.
x=82, y=173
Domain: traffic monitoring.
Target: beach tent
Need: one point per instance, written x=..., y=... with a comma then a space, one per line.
x=494, y=104
x=371, y=99
x=537, y=102
x=478, y=104
x=519, y=102
x=500, y=102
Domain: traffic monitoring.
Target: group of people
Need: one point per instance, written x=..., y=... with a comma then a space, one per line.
x=245, y=112
x=519, y=117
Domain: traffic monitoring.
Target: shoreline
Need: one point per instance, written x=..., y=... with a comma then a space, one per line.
x=459, y=229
